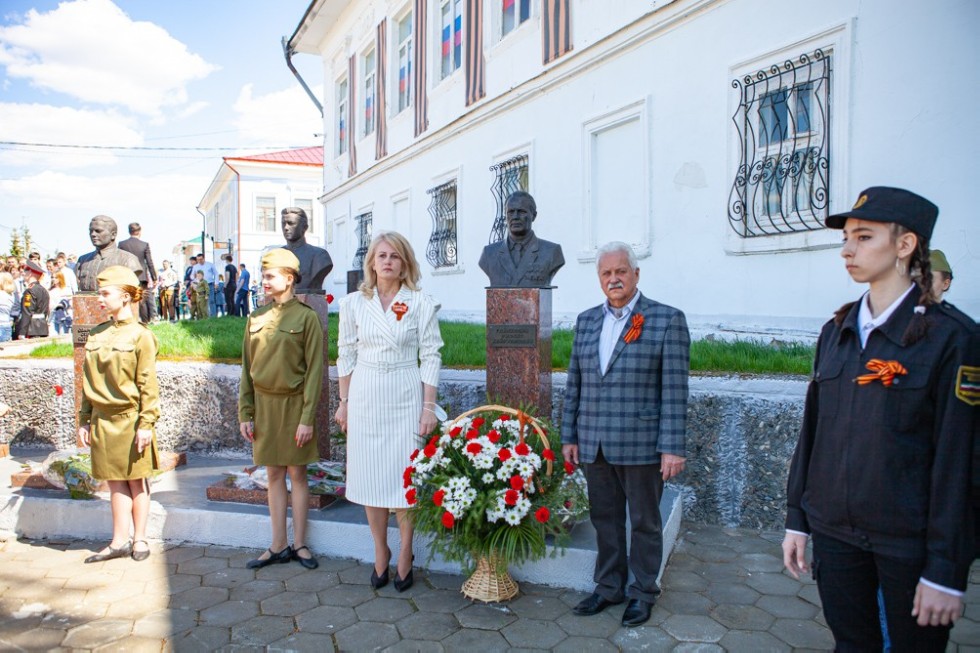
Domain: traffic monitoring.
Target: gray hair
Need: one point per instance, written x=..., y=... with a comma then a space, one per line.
x=616, y=246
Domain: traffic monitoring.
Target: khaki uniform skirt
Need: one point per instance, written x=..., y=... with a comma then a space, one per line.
x=114, y=453
x=276, y=419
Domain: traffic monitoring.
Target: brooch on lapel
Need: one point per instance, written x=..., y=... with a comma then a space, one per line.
x=884, y=371
x=636, y=328
x=399, y=309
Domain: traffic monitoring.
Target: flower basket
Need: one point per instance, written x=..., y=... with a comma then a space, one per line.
x=488, y=491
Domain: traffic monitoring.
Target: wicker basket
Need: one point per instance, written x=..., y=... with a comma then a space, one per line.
x=492, y=582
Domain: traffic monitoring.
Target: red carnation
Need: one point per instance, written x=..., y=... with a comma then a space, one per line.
x=493, y=436
x=456, y=431
x=472, y=434
x=548, y=454
x=504, y=418
x=434, y=440
x=569, y=468
x=474, y=448
x=517, y=483
x=415, y=454
x=329, y=298
x=410, y=496
x=448, y=520
x=522, y=449
x=510, y=498
x=438, y=497
x=407, y=476
x=58, y=390
x=478, y=422
x=504, y=454
x=430, y=450
x=542, y=514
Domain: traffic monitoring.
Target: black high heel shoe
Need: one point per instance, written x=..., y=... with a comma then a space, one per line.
x=377, y=582
x=402, y=584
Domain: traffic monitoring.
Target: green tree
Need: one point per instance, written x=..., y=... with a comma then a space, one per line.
x=16, y=248
x=25, y=234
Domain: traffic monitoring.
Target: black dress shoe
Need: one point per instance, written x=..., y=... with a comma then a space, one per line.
x=402, y=584
x=637, y=613
x=593, y=605
x=309, y=563
x=124, y=551
x=377, y=582
x=282, y=557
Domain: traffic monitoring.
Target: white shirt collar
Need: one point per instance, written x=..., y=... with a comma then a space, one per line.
x=866, y=323
x=630, y=305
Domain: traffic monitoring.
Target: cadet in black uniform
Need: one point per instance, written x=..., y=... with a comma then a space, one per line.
x=881, y=474
x=34, y=305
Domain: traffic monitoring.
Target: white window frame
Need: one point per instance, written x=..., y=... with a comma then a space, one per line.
x=637, y=110
x=402, y=102
x=498, y=19
x=441, y=73
x=309, y=214
x=369, y=89
x=275, y=207
x=341, y=94
x=835, y=40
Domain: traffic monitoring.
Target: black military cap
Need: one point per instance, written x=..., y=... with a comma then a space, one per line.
x=884, y=204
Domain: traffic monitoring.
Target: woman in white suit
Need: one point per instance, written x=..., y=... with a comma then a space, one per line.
x=388, y=366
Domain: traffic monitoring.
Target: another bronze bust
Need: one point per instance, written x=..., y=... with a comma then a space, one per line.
x=314, y=262
x=102, y=232
x=521, y=260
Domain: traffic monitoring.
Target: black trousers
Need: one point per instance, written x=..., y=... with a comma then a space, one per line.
x=231, y=308
x=146, y=307
x=241, y=305
x=612, y=490
x=848, y=578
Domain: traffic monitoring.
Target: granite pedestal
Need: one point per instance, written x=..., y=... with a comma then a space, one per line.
x=318, y=302
x=86, y=315
x=519, y=347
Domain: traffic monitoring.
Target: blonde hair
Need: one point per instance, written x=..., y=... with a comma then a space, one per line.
x=410, y=273
x=7, y=282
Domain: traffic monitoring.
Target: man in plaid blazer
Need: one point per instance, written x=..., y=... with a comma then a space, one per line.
x=624, y=419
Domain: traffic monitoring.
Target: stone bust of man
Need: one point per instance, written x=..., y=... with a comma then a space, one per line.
x=102, y=232
x=314, y=262
x=521, y=260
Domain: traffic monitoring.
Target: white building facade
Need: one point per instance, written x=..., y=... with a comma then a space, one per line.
x=242, y=206
x=712, y=135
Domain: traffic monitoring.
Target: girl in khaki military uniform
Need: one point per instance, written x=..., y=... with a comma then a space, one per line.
x=120, y=406
x=282, y=371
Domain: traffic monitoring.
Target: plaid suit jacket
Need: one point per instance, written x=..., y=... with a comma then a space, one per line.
x=638, y=408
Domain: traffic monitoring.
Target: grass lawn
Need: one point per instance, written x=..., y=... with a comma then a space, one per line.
x=220, y=340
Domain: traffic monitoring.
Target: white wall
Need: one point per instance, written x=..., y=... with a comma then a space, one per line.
x=901, y=106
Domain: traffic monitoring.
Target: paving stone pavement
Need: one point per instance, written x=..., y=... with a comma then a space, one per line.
x=723, y=590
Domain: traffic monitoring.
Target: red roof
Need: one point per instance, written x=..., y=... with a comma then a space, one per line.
x=305, y=156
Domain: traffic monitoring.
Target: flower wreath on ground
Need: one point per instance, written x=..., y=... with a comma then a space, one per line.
x=490, y=485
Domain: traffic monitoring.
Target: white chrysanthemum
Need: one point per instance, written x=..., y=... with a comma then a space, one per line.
x=512, y=518
x=487, y=478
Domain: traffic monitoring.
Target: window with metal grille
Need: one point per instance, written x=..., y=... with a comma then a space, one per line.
x=363, y=226
x=441, y=251
x=509, y=176
x=783, y=123
x=265, y=213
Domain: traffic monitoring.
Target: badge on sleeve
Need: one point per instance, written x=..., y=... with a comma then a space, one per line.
x=968, y=384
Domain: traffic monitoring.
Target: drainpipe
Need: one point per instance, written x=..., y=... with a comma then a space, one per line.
x=289, y=52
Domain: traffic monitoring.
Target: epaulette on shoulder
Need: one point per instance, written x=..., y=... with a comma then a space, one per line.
x=951, y=311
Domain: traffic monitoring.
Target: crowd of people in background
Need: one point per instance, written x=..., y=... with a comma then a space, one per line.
x=201, y=293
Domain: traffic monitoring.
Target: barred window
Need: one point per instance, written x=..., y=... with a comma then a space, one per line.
x=265, y=213
x=363, y=225
x=510, y=176
x=441, y=251
x=783, y=124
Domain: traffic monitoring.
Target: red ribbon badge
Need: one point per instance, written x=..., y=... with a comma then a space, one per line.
x=636, y=328
x=399, y=309
x=884, y=371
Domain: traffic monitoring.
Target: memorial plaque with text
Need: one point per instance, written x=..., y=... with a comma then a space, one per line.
x=512, y=335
